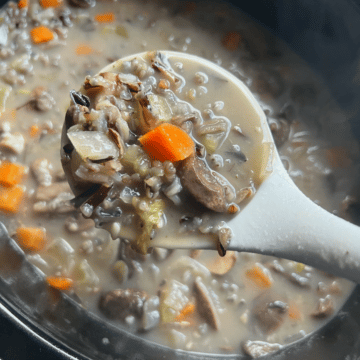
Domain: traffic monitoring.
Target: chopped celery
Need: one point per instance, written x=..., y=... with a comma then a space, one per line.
x=137, y=159
x=121, y=31
x=212, y=141
x=150, y=220
x=84, y=275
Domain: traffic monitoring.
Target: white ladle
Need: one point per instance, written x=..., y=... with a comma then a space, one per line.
x=279, y=220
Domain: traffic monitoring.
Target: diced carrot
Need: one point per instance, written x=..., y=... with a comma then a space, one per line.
x=294, y=312
x=185, y=312
x=23, y=4
x=41, y=34
x=338, y=157
x=232, y=40
x=164, y=84
x=50, y=3
x=32, y=239
x=59, y=282
x=10, y=199
x=105, y=17
x=34, y=130
x=84, y=49
x=167, y=142
x=11, y=174
x=259, y=277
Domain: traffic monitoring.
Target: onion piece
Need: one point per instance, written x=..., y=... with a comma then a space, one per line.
x=93, y=145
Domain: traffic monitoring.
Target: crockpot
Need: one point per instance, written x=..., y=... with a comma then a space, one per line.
x=38, y=324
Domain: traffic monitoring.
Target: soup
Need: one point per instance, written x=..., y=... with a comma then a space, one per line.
x=195, y=300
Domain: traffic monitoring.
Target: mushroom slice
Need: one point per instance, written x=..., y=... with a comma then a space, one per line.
x=120, y=303
x=147, y=121
x=93, y=145
x=159, y=62
x=206, y=185
x=268, y=314
x=222, y=265
x=131, y=81
x=116, y=138
x=205, y=304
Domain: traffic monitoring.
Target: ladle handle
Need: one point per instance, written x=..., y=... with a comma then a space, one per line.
x=281, y=221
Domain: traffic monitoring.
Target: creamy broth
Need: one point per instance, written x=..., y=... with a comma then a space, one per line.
x=297, y=298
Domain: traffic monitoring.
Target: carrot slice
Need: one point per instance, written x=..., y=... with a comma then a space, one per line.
x=84, y=49
x=50, y=3
x=259, y=277
x=10, y=199
x=167, y=142
x=11, y=174
x=34, y=130
x=32, y=239
x=59, y=282
x=105, y=17
x=232, y=40
x=41, y=34
x=294, y=312
x=185, y=312
x=23, y=4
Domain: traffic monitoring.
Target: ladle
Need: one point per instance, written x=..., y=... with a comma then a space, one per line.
x=279, y=220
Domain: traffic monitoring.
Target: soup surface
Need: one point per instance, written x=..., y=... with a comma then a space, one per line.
x=196, y=300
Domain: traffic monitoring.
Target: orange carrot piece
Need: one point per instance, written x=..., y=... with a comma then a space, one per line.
x=185, y=312
x=23, y=4
x=294, y=312
x=59, y=282
x=84, y=49
x=41, y=34
x=11, y=174
x=32, y=239
x=34, y=130
x=231, y=40
x=259, y=277
x=10, y=199
x=105, y=17
x=167, y=142
x=50, y=3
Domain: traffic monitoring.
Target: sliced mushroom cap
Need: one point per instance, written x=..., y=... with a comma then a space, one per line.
x=222, y=265
x=120, y=303
x=147, y=121
x=206, y=185
x=268, y=313
x=160, y=63
x=205, y=304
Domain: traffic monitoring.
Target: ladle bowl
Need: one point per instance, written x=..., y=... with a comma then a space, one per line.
x=279, y=220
